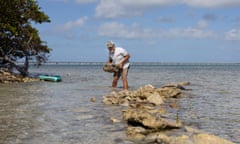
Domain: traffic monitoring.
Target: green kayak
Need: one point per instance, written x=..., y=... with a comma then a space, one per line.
x=53, y=78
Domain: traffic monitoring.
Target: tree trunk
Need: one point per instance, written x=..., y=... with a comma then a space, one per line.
x=26, y=64
x=13, y=64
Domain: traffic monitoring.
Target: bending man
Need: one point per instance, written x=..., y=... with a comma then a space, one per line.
x=119, y=57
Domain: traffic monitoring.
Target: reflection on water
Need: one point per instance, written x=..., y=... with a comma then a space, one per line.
x=62, y=113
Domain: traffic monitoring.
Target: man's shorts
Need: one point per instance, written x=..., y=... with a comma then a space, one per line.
x=122, y=73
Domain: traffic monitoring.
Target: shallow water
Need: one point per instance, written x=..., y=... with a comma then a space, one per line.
x=59, y=113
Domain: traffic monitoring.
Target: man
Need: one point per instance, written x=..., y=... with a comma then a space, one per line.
x=119, y=57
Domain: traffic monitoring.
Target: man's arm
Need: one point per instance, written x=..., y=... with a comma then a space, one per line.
x=109, y=60
x=125, y=59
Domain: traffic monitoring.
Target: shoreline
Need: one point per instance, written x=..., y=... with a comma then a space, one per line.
x=7, y=77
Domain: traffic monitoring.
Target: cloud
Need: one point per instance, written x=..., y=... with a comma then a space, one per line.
x=65, y=29
x=212, y=3
x=77, y=23
x=202, y=24
x=165, y=19
x=118, y=30
x=233, y=34
x=77, y=1
x=129, y=8
x=210, y=17
x=189, y=33
x=85, y=1
x=113, y=9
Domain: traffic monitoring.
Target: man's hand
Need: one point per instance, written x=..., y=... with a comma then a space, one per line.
x=120, y=65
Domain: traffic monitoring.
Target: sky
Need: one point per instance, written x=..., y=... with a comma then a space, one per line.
x=150, y=30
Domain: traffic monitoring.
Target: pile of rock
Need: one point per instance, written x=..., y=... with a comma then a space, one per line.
x=7, y=77
x=146, y=94
x=146, y=120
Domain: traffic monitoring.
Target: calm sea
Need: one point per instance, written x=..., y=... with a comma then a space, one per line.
x=62, y=113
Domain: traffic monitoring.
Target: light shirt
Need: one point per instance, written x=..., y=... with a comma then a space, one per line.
x=118, y=55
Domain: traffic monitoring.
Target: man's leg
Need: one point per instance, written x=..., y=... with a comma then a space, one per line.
x=116, y=77
x=124, y=78
x=115, y=80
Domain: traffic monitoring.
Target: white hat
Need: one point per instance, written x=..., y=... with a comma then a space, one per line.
x=110, y=44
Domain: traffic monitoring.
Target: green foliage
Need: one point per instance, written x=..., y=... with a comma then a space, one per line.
x=18, y=39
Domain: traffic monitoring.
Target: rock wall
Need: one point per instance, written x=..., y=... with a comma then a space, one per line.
x=146, y=120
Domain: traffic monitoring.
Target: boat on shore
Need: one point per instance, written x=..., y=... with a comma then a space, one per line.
x=53, y=78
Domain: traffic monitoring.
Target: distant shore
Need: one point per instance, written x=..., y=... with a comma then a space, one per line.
x=138, y=63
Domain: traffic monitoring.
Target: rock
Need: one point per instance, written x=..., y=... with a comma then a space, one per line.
x=191, y=130
x=145, y=94
x=169, y=92
x=186, y=83
x=155, y=99
x=209, y=139
x=93, y=99
x=196, y=139
x=136, y=133
x=160, y=137
x=114, y=120
x=183, y=139
x=145, y=112
x=179, y=85
x=111, y=68
x=145, y=119
x=174, y=106
x=7, y=77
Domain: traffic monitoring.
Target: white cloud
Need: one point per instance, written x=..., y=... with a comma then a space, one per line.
x=112, y=9
x=77, y=1
x=77, y=23
x=126, y=8
x=118, y=30
x=65, y=29
x=212, y=3
x=189, y=33
x=202, y=24
x=85, y=1
x=129, y=8
x=233, y=34
x=144, y=3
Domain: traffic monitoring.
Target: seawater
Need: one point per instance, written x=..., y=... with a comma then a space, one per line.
x=62, y=113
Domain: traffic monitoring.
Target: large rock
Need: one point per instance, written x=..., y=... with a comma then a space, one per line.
x=169, y=92
x=111, y=68
x=200, y=138
x=137, y=117
x=209, y=139
x=145, y=94
x=142, y=135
